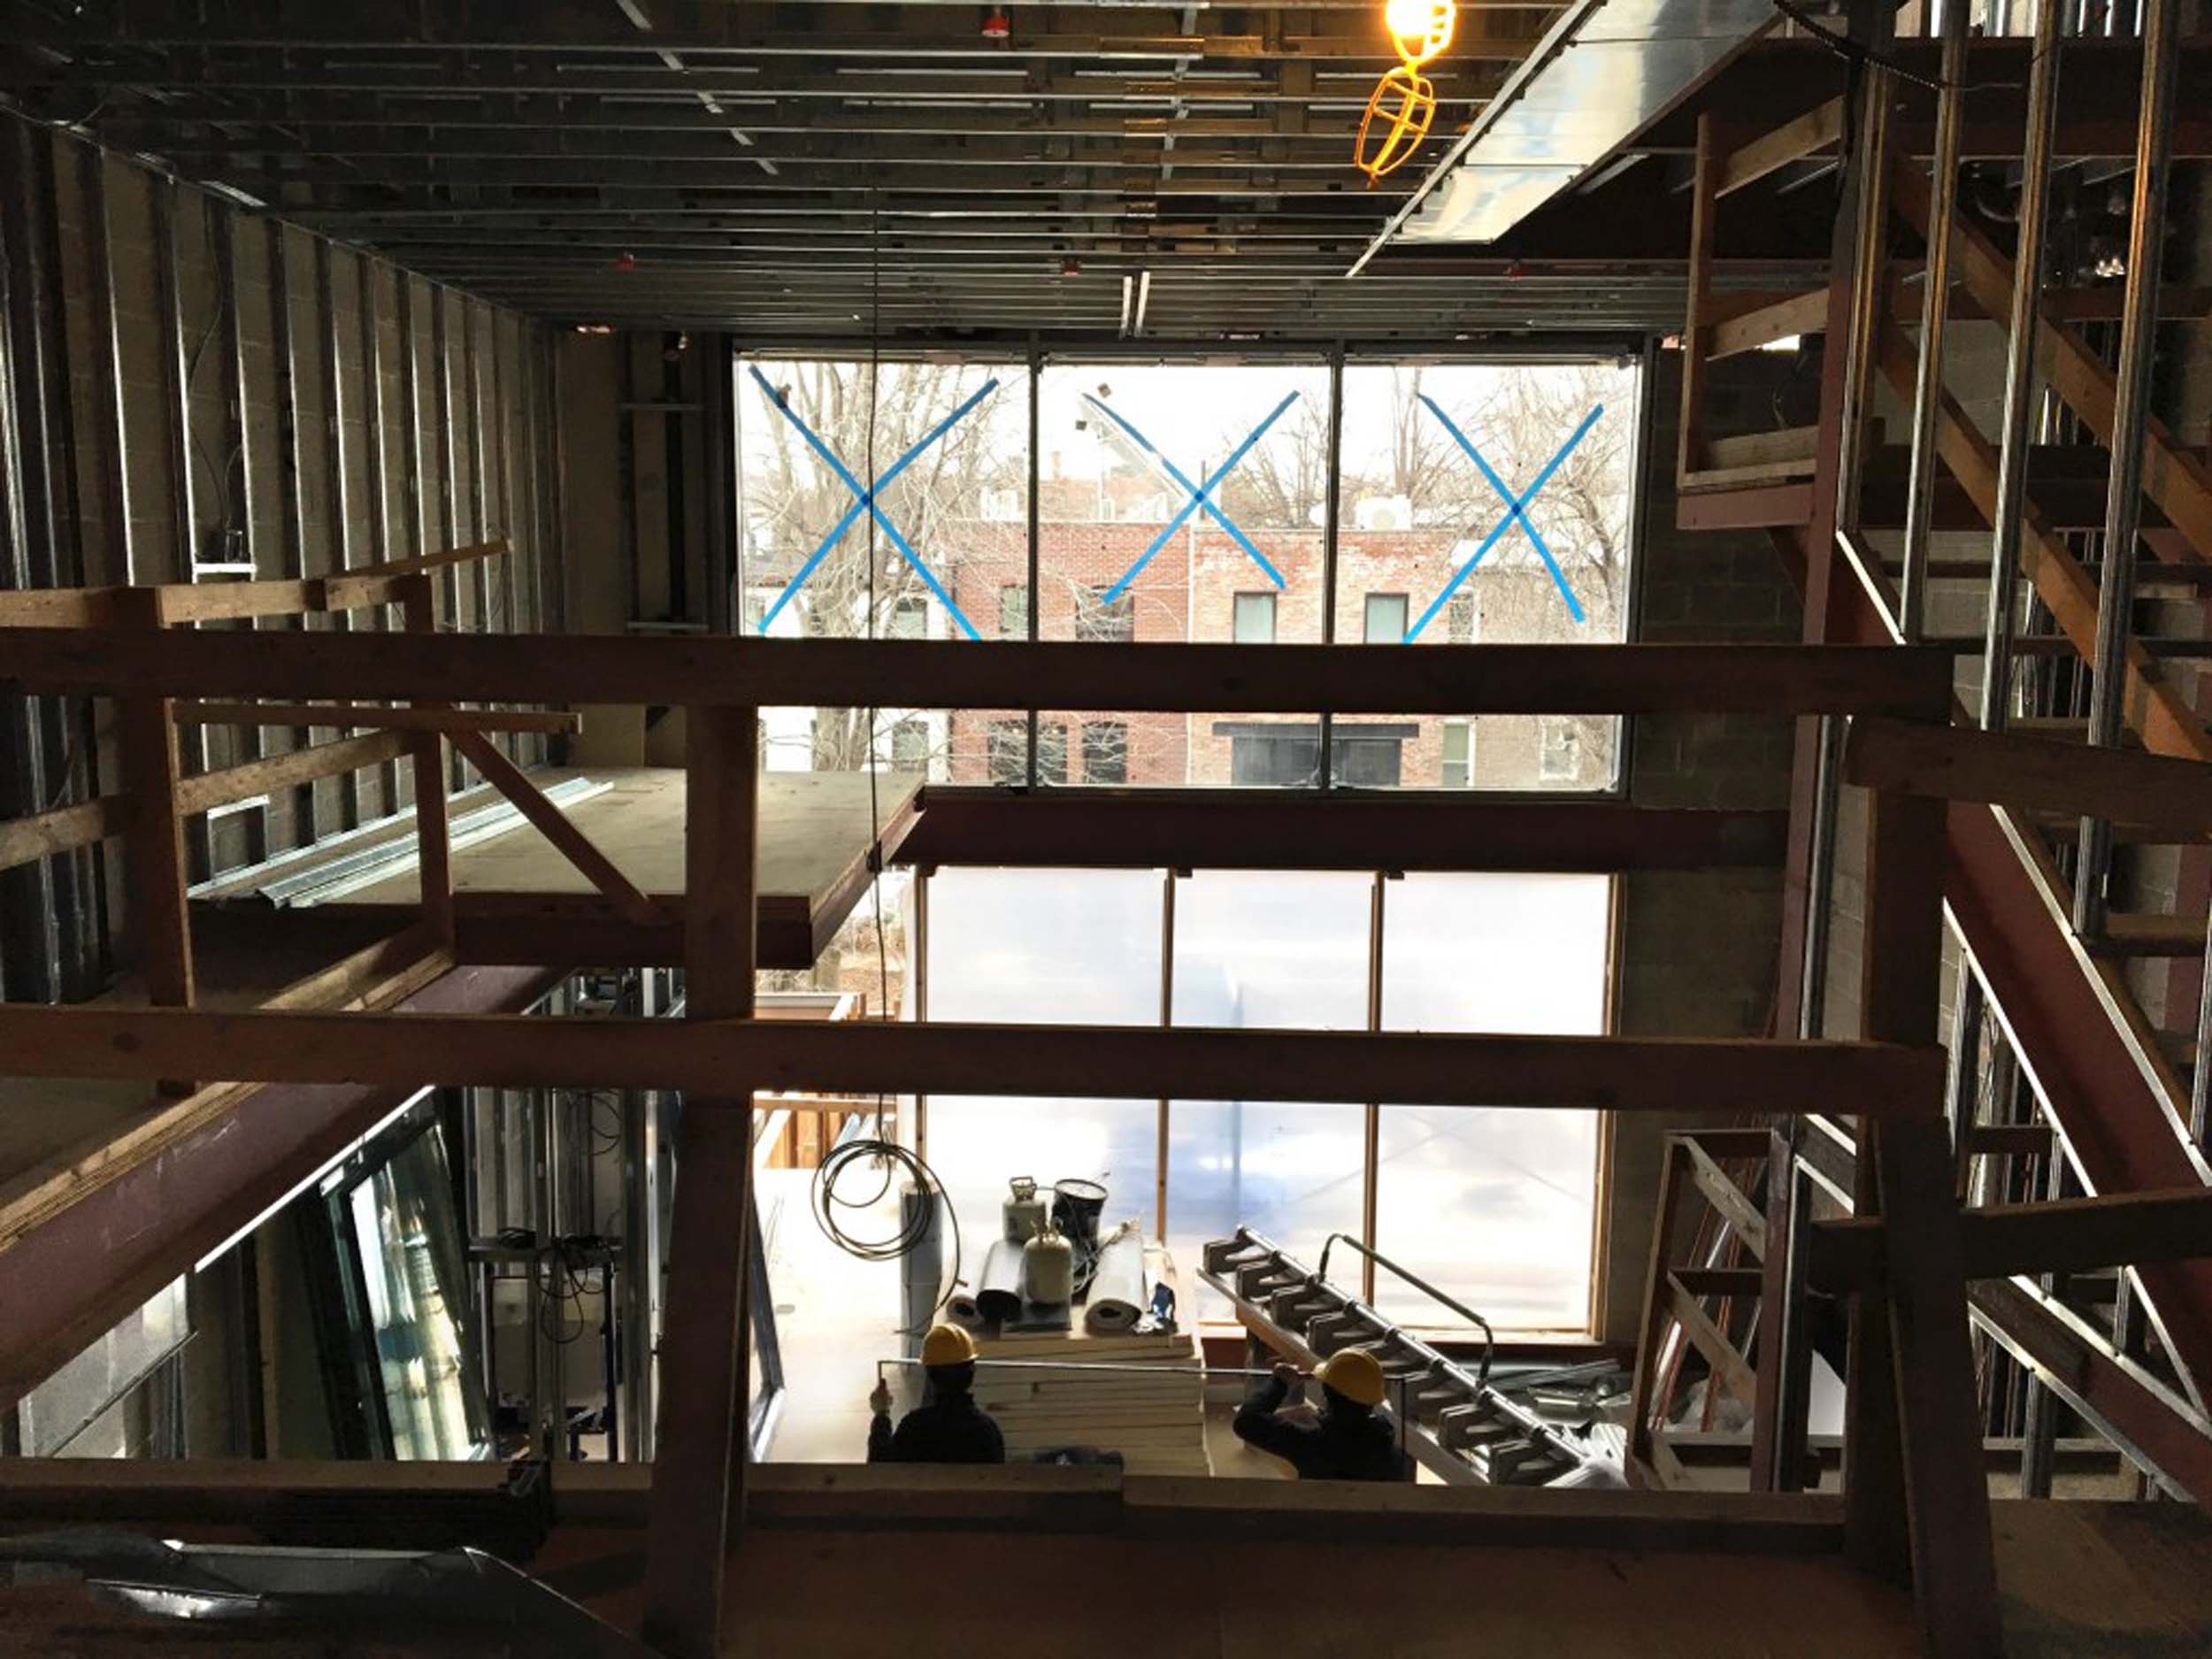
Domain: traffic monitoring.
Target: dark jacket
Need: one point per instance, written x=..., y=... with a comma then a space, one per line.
x=952, y=1429
x=1348, y=1443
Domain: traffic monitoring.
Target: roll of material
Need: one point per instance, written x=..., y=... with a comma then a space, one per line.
x=998, y=1291
x=1119, y=1296
x=923, y=1217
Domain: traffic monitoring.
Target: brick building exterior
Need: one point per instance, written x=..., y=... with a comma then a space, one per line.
x=1201, y=585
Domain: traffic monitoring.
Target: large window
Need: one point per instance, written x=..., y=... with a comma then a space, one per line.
x=1080, y=945
x=1494, y=1206
x=1180, y=501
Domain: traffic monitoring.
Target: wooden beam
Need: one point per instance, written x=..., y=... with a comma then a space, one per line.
x=1913, y=683
x=1652, y=1074
x=1937, y=1410
x=1809, y=134
x=702, y=1449
x=213, y=789
x=550, y=822
x=1430, y=829
x=2166, y=795
x=217, y=601
x=173, y=602
x=24, y=840
x=373, y=716
x=68, y=608
x=2071, y=1235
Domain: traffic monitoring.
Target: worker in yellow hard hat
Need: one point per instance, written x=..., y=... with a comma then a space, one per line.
x=949, y=1427
x=1346, y=1440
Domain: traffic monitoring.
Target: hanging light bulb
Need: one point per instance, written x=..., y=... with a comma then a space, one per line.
x=1403, y=106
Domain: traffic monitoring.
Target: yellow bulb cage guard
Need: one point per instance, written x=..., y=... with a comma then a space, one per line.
x=1403, y=106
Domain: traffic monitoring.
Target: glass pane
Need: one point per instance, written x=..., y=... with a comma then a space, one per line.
x=1127, y=552
x=404, y=1227
x=1428, y=545
x=948, y=559
x=53, y=1415
x=1267, y=949
x=1493, y=1206
x=1080, y=945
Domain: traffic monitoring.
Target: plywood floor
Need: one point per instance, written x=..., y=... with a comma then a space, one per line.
x=814, y=836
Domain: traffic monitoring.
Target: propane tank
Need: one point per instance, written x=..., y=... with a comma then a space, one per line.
x=1048, y=1268
x=1022, y=1216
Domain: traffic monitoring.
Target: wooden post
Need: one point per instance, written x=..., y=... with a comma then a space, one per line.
x=1916, y=1499
x=1767, y=1458
x=700, y=1452
x=153, y=844
x=433, y=838
x=1642, y=1465
x=1697, y=330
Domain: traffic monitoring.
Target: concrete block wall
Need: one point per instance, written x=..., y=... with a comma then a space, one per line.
x=221, y=385
x=1697, y=950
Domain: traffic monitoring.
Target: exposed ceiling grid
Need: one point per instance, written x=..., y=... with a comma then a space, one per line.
x=699, y=162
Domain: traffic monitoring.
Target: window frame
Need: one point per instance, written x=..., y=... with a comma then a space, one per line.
x=1395, y=636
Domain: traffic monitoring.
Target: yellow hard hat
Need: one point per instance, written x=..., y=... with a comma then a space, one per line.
x=1354, y=1373
x=949, y=1345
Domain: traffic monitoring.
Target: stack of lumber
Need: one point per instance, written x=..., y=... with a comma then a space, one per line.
x=1156, y=1419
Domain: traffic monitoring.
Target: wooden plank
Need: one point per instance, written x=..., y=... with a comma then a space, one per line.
x=68, y=608
x=375, y=976
x=370, y=584
x=867, y=1058
x=1727, y=1198
x=1751, y=508
x=1697, y=332
x=1754, y=679
x=2012, y=1141
x=2071, y=1235
x=1424, y=830
x=2154, y=710
x=510, y=779
x=277, y=772
x=2173, y=474
x=24, y=840
x=434, y=834
x=216, y=601
x=1719, y=1281
x=700, y=1456
x=1809, y=135
x=1791, y=445
x=1728, y=1365
x=1732, y=1143
x=374, y=715
x=2169, y=795
x=1800, y=314
x=2140, y=934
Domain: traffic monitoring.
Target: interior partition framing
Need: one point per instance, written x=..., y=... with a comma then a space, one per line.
x=194, y=391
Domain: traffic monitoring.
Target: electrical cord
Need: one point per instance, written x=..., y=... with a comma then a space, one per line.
x=1860, y=55
x=879, y=1149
